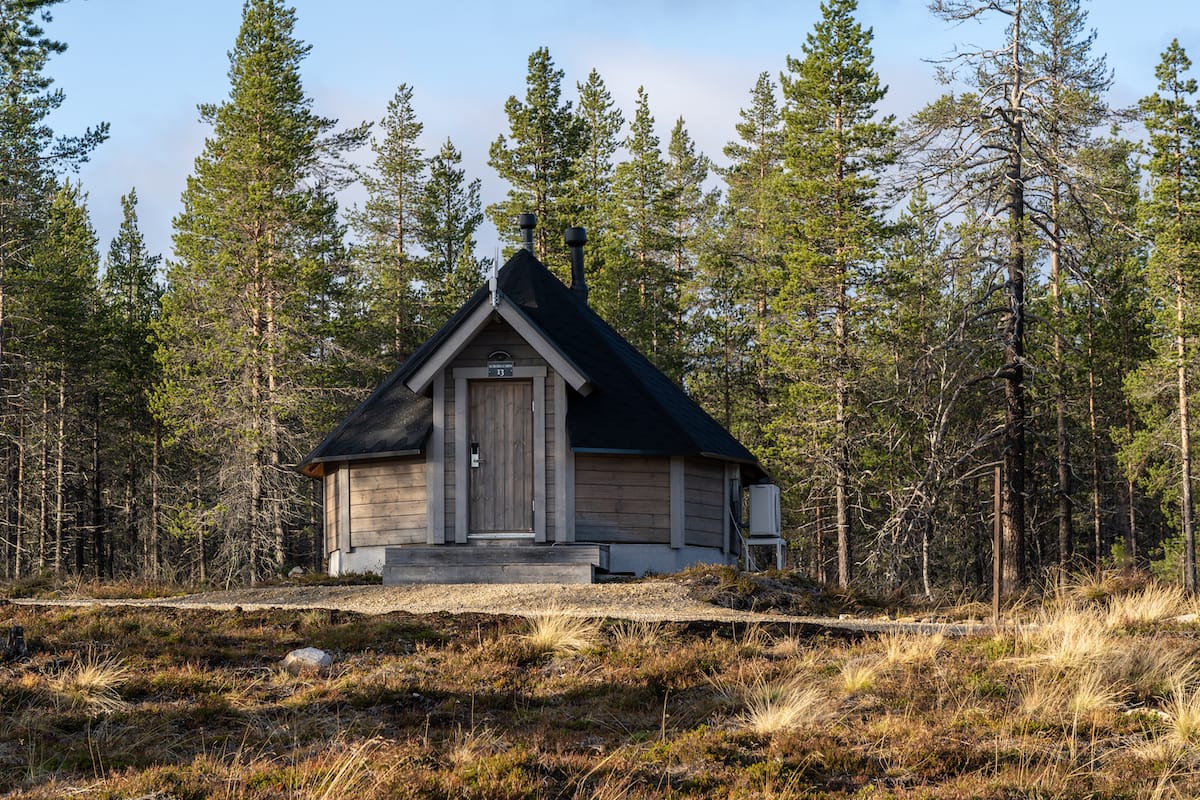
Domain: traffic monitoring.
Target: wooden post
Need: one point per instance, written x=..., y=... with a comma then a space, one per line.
x=997, y=550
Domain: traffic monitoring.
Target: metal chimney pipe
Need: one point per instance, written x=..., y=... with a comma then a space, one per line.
x=576, y=238
x=527, y=223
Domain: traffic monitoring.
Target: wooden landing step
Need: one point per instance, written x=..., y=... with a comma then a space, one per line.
x=531, y=563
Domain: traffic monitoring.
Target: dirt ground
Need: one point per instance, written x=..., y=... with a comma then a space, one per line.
x=650, y=601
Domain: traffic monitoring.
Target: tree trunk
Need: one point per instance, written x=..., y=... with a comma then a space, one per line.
x=1094, y=434
x=1062, y=435
x=44, y=483
x=1013, y=507
x=60, y=471
x=97, y=502
x=1185, y=445
x=155, y=510
x=841, y=446
x=926, y=535
x=18, y=564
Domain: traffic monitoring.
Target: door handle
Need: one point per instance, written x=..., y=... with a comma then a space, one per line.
x=475, y=455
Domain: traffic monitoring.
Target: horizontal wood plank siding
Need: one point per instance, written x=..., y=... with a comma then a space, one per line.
x=388, y=503
x=704, y=498
x=622, y=499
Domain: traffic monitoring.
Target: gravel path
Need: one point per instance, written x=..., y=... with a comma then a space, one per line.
x=650, y=601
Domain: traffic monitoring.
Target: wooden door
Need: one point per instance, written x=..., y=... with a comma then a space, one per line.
x=500, y=420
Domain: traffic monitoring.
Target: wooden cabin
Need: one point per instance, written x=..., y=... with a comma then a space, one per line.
x=527, y=441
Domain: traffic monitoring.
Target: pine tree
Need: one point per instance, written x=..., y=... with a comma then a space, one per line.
x=639, y=292
x=1172, y=119
x=538, y=160
x=130, y=296
x=1005, y=147
x=387, y=228
x=447, y=216
x=752, y=257
x=258, y=245
x=29, y=156
x=58, y=314
x=834, y=150
x=591, y=186
x=1069, y=106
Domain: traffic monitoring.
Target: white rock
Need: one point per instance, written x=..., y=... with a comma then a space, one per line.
x=307, y=659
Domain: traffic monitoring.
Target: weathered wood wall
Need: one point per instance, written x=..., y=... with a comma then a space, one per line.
x=329, y=483
x=704, y=491
x=387, y=502
x=497, y=335
x=622, y=499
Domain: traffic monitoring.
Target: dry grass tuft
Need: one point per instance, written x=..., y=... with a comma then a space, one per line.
x=911, y=648
x=772, y=706
x=1183, y=716
x=1153, y=603
x=555, y=631
x=1042, y=699
x=91, y=683
x=787, y=647
x=348, y=773
x=469, y=746
x=858, y=676
x=1149, y=672
x=1066, y=638
x=631, y=635
x=1092, y=695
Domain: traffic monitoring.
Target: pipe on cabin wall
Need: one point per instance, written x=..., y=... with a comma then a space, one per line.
x=576, y=238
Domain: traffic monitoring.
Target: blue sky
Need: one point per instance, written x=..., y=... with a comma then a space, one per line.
x=144, y=65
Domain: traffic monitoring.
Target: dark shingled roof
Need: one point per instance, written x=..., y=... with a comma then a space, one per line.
x=632, y=408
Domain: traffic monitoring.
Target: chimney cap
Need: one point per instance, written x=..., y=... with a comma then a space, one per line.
x=527, y=221
x=575, y=237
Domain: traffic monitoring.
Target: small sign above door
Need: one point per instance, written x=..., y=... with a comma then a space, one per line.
x=499, y=369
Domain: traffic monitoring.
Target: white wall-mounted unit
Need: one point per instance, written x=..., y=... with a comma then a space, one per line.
x=764, y=510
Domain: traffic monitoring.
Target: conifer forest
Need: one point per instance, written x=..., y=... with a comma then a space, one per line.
x=883, y=310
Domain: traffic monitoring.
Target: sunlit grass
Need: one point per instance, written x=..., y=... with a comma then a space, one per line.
x=557, y=632
x=772, y=706
x=901, y=647
x=92, y=684
x=1182, y=714
x=858, y=676
x=1153, y=603
x=1091, y=695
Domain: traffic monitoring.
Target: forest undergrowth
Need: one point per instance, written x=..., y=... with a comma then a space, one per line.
x=1090, y=690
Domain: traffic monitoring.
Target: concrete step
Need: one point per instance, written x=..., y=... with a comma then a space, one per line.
x=487, y=573
x=482, y=554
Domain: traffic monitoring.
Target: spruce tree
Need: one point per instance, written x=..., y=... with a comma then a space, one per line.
x=835, y=148
x=257, y=244
x=537, y=158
